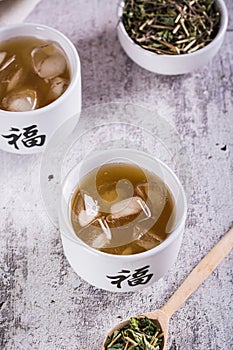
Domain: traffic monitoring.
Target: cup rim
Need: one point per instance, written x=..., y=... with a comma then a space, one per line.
x=74, y=78
x=139, y=256
x=222, y=29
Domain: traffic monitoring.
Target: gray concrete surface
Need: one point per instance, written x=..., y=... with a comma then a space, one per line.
x=44, y=305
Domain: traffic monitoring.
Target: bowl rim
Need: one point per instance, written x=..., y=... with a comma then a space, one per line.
x=76, y=74
x=131, y=257
x=222, y=29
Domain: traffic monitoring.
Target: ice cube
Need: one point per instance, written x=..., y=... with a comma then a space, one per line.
x=108, y=192
x=2, y=57
x=79, y=203
x=144, y=235
x=58, y=86
x=148, y=242
x=84, y=218
x=5, y=63
x=91, y=205
x=155, y=194
x=94, y=236
x=15, y=79
x=86, y=209
x=20, y=101
x=117, y=190
x=128, y=207
x=105, y=227
x=48, y=61
x=145, y=227
x=99, y=241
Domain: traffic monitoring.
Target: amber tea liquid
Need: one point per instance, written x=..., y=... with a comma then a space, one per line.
x=121, y=208
x=33, y=73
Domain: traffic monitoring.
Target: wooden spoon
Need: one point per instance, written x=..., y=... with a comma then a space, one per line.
x=191, y=283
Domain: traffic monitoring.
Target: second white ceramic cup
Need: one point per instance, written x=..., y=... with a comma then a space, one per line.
x=117, y=273
x=29, y=132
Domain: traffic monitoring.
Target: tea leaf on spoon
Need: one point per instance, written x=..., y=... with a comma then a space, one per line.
x=138, y=334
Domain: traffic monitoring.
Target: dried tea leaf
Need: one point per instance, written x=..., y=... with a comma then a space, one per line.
x=169, y=22
x=140, y=333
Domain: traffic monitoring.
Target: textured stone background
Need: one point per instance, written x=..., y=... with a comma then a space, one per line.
x=44, y=305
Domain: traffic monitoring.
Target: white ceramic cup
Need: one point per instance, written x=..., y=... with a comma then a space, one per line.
x=29, y=132
x=118, y=273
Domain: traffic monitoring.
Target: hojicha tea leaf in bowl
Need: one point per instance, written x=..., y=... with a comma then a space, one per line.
x=174, y=36
x=171, y=27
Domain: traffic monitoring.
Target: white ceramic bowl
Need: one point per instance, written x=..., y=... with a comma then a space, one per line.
x=29, y=132
x=172, y=64
x=118, y=273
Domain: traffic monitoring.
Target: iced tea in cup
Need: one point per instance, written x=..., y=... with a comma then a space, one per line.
x=40, y=86
x=122, y=217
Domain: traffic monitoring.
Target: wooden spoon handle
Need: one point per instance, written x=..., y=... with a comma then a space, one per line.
x=200, y=273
